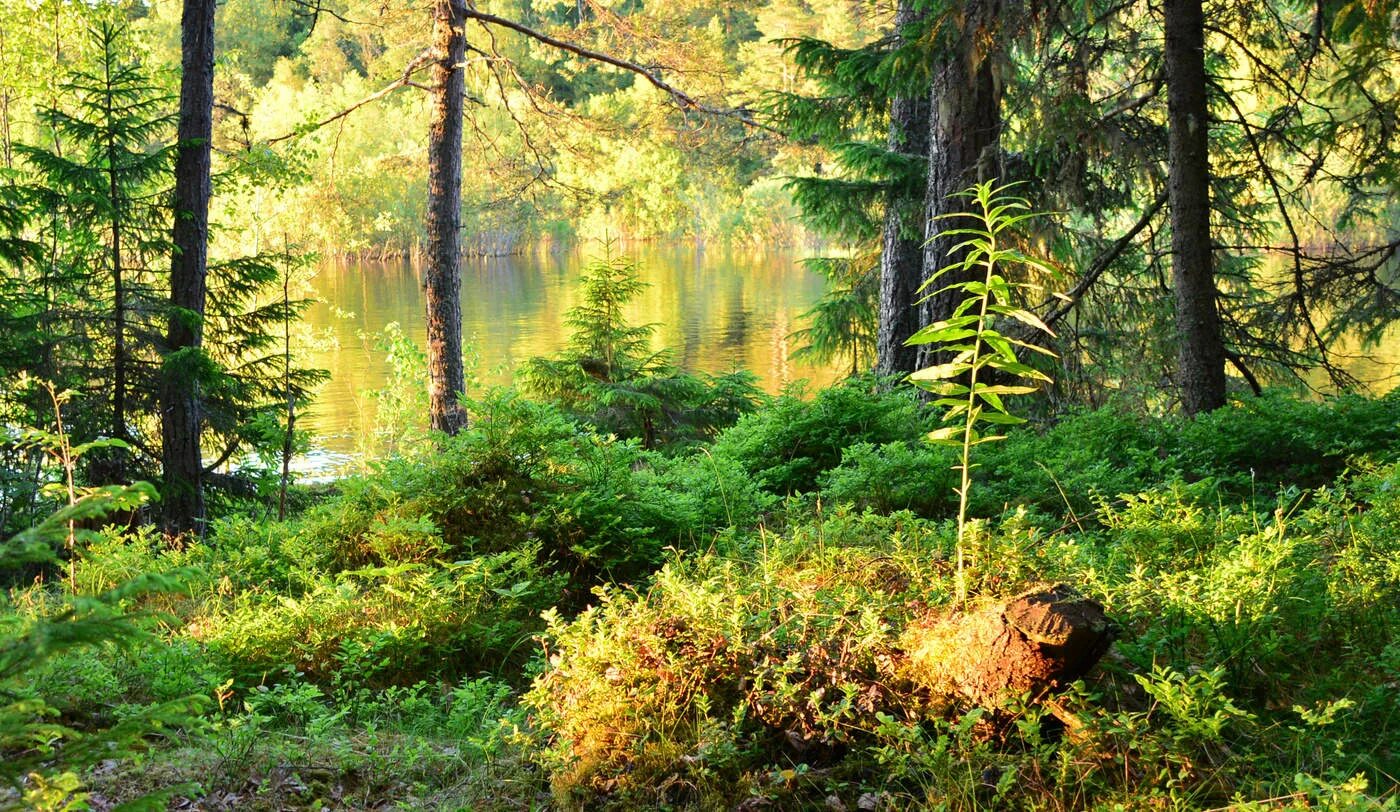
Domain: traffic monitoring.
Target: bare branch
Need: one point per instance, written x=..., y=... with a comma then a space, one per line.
x=404, y=80
x=1100, y=264
x=315, y=9
x=682, y=99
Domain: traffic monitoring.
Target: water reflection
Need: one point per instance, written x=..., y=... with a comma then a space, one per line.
x=715, y=309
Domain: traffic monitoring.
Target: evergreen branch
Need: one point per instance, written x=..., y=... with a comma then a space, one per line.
x=1100, y=264
x=1337, y=376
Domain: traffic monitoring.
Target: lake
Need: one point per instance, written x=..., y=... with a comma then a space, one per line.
x=715, y=308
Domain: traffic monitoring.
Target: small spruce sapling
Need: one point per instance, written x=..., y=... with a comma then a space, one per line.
x=976, y=346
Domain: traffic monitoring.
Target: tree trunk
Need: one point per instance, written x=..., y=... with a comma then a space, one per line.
x=183, y=496
x=964, y=148
x=119, y=365
x=443, y=280
x=902, y=260
x=1201, y=351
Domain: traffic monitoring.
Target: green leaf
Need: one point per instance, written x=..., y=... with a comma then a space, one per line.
x=1020, y=370
x=991, y=399
x=945, y=433
x=945, y=388
x=944, y=331
x=1032, y=347
x=1023, y=316
x=1002, y=419
x=101, y=442
x=941, y=372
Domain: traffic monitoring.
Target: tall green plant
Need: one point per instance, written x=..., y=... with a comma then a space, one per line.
x=984, y=366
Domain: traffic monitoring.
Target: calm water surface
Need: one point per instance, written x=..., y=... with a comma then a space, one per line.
x=715, y=309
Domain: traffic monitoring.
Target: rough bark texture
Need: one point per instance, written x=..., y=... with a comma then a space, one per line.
x=443, y=280
x=1035, y=643
x=183, y=496
x=116, y=472
x=118, y=296
x=902, y=258
x=1201, y=353
x=964, y=148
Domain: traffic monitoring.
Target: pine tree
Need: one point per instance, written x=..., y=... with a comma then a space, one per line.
x=609, y=376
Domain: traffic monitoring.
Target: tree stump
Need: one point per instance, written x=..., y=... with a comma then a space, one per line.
x=1035, y=643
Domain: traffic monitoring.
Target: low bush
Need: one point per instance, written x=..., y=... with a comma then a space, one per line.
x=440, y=564
x=1249, y=450
x=1255, y=649
x=787, y=445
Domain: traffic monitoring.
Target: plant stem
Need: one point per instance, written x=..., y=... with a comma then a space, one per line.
x=970, y=420
x=66, y=457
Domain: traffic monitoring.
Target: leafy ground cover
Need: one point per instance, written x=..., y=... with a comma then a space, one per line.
x=539, y=616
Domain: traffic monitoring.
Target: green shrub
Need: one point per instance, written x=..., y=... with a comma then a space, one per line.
x=724, y=673
x=787, y=445
x=892, y=477
x=393, y=624
x=1071, y=467
x=1278, y=440
x=57, y=681
x=440, y=564
x=1256, y=660
x=523, y=473
x=1249, y=450
x=482, y=717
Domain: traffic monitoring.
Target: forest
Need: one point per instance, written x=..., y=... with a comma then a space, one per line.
x=1093, y=504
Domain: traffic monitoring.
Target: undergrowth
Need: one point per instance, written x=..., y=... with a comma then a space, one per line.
x=540, y=615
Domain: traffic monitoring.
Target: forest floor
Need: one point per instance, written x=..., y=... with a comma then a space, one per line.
x=538, y=617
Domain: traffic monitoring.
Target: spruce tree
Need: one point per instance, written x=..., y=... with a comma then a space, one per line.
x=106, y=195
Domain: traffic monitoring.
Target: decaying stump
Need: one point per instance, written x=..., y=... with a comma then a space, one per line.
x=1037, y=642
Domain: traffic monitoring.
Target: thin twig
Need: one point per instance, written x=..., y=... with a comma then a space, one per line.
x=405, y=80
x=682, y=99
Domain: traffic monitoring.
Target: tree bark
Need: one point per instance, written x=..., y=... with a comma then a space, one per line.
x=118, y=296
x=964, y=148
x=443, y=279
x=183, y=496
x=902, y=259
x=1201, y=351
x=118, y=210
x=119, y=358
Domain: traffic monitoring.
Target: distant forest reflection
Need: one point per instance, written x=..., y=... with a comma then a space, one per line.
x=713, y=308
